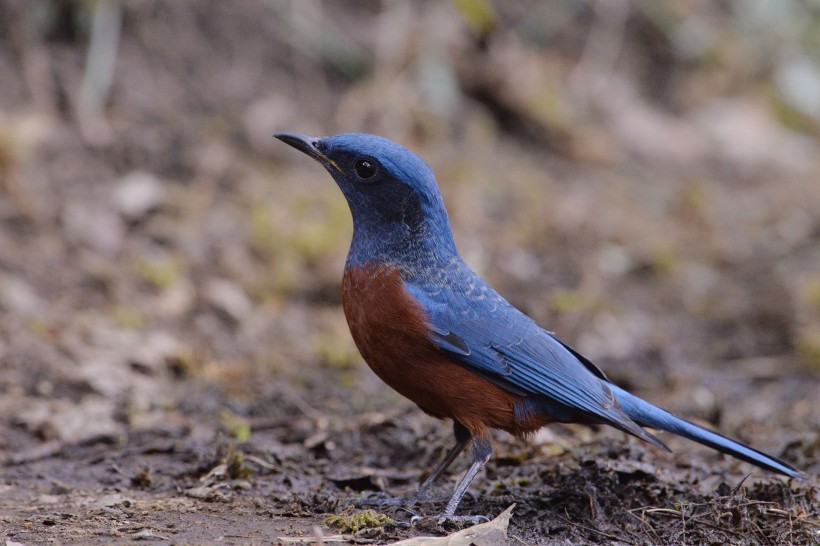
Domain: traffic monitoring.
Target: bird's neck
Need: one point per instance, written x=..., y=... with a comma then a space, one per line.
x=415, y=248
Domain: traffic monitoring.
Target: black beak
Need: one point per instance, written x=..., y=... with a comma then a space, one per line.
x=307, y=145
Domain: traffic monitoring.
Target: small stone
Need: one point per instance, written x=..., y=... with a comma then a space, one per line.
x=18, y=296
x=228, y=297
x=137, y=194
x=94, y=226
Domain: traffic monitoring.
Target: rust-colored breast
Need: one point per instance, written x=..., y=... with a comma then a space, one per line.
x=390, y=329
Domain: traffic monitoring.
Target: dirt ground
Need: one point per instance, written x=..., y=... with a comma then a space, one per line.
x=175, y=367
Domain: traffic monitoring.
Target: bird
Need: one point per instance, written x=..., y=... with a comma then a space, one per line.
x=438, y=334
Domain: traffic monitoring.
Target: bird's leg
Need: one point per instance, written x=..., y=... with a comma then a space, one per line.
x=482, y=449
x=462, y=439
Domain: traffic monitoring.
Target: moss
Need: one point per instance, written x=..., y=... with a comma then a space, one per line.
x=352, y=522
x=236, y=426
x=234, y=467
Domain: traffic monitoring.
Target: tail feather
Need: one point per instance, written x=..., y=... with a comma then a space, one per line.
x=648, y=415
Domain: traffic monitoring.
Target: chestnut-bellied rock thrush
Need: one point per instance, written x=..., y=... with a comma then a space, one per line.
x=434, y=331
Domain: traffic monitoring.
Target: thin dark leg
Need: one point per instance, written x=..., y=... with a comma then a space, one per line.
x=482, y=449
x=462, y=439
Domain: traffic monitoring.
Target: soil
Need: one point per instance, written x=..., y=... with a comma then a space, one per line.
x=175, y=367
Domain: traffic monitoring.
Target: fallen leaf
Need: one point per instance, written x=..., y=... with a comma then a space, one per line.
x=491, y=533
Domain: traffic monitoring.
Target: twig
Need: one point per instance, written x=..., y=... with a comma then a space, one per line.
x=260, y=462
x=646, y=524
x=592, y=529
x=714, y=526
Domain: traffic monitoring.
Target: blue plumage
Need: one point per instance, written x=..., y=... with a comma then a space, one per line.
x=400, y=224
x=511, y=348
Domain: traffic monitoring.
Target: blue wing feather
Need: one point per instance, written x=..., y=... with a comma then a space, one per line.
x=482, y=331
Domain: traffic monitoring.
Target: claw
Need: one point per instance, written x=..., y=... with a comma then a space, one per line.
x=471, y=520
x=411, y=512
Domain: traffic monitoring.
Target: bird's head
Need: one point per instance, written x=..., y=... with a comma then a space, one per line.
x=392, y=193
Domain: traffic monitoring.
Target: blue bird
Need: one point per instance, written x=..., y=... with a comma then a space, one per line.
x=434, y=331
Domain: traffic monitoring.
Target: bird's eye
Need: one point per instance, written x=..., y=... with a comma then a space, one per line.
x=365, y=168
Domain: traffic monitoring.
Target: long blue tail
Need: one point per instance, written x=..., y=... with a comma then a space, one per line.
x=645, y=414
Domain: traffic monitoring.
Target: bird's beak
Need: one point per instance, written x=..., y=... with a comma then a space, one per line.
x=307, y=144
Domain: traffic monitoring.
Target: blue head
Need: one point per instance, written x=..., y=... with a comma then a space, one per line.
x=398, y=214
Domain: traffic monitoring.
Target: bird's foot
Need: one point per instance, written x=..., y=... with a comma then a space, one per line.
x=461, y=520
x=446, y=520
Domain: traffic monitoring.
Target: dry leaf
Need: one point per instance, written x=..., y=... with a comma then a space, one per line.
x=491, y=533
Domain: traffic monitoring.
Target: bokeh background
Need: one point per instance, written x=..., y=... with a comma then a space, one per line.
x=641, y=177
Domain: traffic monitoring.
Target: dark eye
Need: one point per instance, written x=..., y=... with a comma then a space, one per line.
x=365, y=168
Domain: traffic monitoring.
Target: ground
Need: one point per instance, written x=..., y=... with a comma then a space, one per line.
x=174, y=362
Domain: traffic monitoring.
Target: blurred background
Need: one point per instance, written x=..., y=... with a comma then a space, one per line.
x=642, y=177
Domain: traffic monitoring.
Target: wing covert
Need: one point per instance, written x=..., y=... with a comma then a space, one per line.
x=482, y=331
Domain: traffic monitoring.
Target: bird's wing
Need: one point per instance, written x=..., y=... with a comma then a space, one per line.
x=480, y=330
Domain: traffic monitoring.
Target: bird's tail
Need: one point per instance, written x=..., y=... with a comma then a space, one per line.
x=645, y=414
